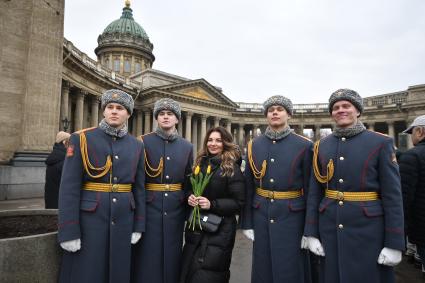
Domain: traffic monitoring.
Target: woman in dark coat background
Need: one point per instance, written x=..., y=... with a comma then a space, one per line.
x=207, y=256
x=54, y=166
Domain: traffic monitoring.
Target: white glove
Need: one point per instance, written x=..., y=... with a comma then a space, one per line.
x=389, y=257
x=249, y=233
x=71, y=246
x=315, y=246
x=135, y=237
x=304, y=243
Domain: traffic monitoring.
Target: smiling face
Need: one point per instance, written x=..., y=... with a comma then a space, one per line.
x=345, y=114
x=115, y=115
x=167, y=120
x=277, y=117
x=214, y=143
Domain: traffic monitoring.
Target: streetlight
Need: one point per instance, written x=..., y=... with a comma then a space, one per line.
x=65, y=124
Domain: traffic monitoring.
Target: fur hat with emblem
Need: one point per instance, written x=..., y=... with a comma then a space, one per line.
x=118, y=96
x=278, y=100
x=167, y=104
x=346, y=94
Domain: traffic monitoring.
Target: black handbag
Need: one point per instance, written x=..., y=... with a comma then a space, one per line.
x=209, y=221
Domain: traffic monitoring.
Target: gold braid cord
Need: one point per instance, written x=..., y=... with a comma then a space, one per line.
x=150, y=170
x=329, y=167
x=258, y=174
x=86, y=161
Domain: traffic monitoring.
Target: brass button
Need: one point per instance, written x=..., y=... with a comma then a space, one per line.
x=166, y=194
x=341, y=181
x=340, y=226
x=274, y=142
x=340, y=202
x=272, y=160
x=271, y=180
x=340, y=195
x=343, y=139
x=167, y=177
x=114, y=138
x=168, y=158
x=115, y=179
x=271, y=200
x=115, y=187
x=167, y=187
x=116, y=156
x=113, y=222
x=165, y=213
x=114, y=200
x=341, y=158
x=271, y=220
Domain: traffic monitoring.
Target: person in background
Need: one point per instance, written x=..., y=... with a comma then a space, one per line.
x=207, y=255
x=54, y=164
x=412, y=171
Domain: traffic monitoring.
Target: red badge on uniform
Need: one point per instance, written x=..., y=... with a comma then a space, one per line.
x=70, y=150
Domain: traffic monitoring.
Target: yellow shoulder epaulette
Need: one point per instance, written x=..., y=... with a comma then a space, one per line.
x=84, y=130
x=301, y=136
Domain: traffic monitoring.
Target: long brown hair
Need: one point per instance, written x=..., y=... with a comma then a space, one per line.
x=229, y=155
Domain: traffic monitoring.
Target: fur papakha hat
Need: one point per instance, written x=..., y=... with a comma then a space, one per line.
x=118, y=96
x=278, y=100
x=346, y=94
x=167, y=104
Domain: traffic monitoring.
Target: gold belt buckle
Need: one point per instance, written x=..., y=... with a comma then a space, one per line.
x=115, y=188
x=271, y=194
x=167, y=187
x=340, y=195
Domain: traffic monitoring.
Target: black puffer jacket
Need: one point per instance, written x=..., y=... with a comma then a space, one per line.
x=207, y=256
x=54, y=164
x=412, y=171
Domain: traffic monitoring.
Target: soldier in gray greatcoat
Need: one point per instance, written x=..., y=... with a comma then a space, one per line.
x=102, y=197
x=277, y=175
x=169, y=159
x=354, y=212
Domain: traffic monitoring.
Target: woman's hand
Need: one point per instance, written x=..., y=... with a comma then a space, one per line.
x=192, y=200
x=204, y=203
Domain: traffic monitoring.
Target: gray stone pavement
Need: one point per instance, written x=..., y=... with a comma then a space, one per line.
x=241, y=260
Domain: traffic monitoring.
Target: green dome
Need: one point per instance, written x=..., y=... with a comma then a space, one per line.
x=126, y=25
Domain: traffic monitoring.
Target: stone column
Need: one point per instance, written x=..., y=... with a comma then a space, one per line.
x=94, y=112
x=188, y=134
x=154, y=124
x=195, y=136
x=79, y=108
x=147, y=112
x=85, y=111
x=229, y=126
x=254, y=130
x=139, y=122
x=241, y=134
x=216, y=121
x=180, y=127
x=391, y=131
x=371, y=126
x=203, y=126
x=317, y=132
x=64, y=103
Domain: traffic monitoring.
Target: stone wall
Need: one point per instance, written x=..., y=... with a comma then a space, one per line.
x=31, y=33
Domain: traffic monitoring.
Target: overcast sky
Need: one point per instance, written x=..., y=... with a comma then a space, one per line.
x=303, y=49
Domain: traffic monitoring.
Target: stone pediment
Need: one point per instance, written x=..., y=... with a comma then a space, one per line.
x=198, y=89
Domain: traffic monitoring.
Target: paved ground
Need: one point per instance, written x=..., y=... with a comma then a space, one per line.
x=241, y=261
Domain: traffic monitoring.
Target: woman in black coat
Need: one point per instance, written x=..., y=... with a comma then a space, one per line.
x=207, y=255
x=54, y=166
